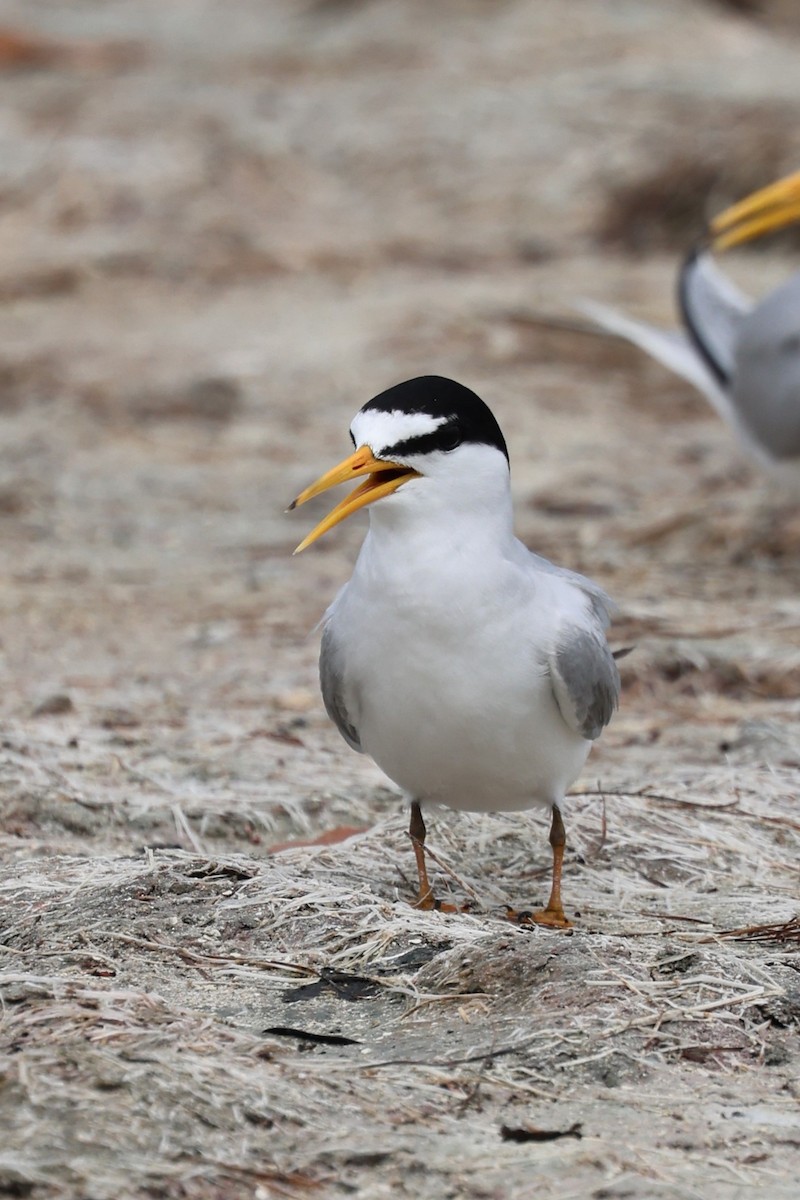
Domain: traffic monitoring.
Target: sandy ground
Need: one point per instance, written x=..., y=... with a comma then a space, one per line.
x=223, y=227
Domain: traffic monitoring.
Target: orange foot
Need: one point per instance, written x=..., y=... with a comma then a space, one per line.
x=429, y=903
x=551, y=918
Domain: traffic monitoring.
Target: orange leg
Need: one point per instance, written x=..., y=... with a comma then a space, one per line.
x=425, y=898
x=552, y=916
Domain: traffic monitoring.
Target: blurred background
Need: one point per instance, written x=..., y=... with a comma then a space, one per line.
x=226, y=225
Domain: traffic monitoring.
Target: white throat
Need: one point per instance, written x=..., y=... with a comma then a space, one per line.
x=461, y=510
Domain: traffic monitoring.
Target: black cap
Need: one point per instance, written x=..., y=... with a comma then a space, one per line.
x=467, y=418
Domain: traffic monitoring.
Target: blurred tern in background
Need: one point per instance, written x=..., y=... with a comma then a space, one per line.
x=475, y=673
x=743, y=356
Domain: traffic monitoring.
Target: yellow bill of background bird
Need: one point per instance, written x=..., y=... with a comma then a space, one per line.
x=769, y=209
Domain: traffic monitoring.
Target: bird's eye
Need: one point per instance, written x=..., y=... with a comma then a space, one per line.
x=451, y=438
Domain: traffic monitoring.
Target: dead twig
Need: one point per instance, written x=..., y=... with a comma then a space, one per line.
x=780, y=932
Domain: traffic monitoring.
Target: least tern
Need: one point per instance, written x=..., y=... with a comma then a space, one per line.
x=743, y=356
x=475, y=673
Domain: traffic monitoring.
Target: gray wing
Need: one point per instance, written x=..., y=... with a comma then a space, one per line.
x=766, y=381
x=585, y=680
x=713, y=309
x=331, y=671
x=600, y=602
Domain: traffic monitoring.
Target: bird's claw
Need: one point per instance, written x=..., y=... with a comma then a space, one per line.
x=429, y=903
x=551, y=918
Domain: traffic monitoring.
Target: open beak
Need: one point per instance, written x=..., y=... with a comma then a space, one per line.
x=383, y=478
x=765, y=211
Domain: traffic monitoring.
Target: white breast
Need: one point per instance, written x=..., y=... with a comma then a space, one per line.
x=446, y=678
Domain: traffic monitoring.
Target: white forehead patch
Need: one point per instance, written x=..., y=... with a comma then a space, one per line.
x=378, y=429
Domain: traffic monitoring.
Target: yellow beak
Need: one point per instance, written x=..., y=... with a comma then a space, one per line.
x=383, y=478
x=765, y=211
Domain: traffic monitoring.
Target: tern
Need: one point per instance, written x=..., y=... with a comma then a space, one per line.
x=743, y=356
x=475, y=673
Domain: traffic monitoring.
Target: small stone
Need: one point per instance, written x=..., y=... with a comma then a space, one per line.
x=776, y=1054
x=54, y=706
x=119, y=718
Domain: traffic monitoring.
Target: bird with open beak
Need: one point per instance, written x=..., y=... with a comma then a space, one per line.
x=475, y=673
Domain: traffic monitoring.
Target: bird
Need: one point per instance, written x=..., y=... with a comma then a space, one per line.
x=474, y=672
x=744, y=356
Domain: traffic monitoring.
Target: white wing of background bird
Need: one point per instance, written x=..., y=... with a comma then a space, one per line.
x=670, y=347
x=712, y=308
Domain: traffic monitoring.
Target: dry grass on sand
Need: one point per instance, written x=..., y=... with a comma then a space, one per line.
x=225, y=1025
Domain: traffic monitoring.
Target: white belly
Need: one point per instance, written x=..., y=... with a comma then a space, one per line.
x=468, y=760
x=458, y=712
